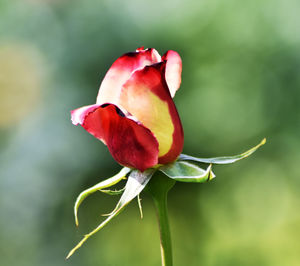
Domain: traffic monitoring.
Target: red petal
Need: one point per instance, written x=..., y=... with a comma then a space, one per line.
x=121, y=71
x=173, y=70
x=140, y=49
x=130, y=143
x=78, y=115
x=146, y=96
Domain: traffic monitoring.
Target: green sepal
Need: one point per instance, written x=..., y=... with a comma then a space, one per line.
x=223, y=159
x=187, y=172
x=135, y=184
x=139, y=200
x=98, y=187
x=112, y=192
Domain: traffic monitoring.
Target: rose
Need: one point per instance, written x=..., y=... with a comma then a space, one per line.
x=135, y=115
x=136, y=118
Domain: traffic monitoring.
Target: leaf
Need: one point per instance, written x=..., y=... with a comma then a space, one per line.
x=134, y=186
x=187, y=172
x=103, y=184
x=224, y=159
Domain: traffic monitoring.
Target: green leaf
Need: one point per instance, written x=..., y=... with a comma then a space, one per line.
x=103, y=184
x=224, y=159
x=187, y=172
x=134, y=186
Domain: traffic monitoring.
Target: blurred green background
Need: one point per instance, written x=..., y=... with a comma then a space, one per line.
x=241, y=82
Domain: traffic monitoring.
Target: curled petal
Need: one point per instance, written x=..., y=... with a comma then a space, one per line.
x=130, y=143
x=173, y=70
x=121, y=70
x=147, y=88
x=78, y=115
x=142, y=48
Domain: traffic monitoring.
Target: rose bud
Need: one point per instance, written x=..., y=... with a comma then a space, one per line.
x=134, y=114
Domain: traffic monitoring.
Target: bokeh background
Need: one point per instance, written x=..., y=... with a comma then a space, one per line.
x=241, y=82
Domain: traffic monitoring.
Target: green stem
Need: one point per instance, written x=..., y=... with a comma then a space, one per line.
x=164, y=228
x=159, y=187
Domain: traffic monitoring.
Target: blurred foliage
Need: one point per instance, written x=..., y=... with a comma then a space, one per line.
x=241, y=82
